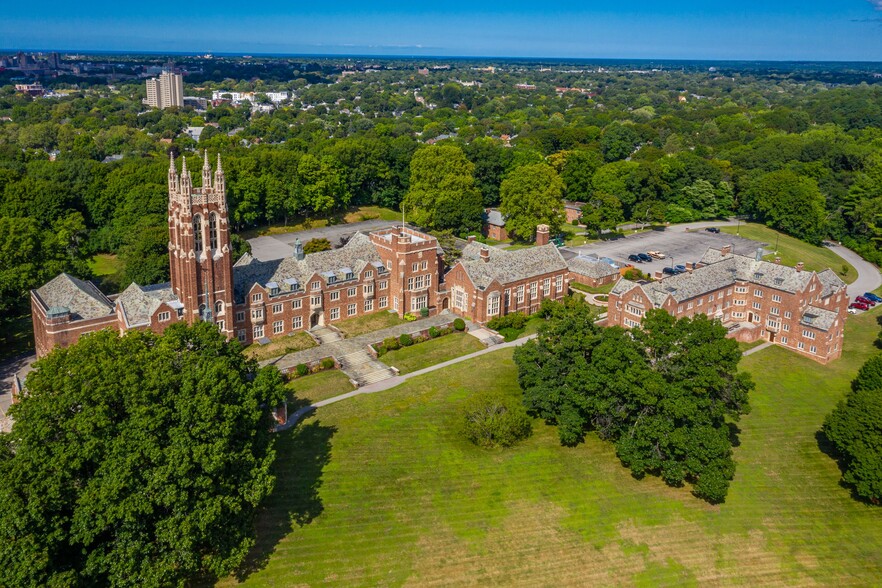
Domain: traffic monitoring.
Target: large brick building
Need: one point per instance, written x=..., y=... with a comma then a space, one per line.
x=797, y=309
x=399, y=269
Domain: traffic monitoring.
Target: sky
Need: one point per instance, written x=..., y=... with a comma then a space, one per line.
x=838, y=30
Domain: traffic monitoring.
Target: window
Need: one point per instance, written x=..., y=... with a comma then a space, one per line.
x=277, y=308
x=297, y=322
x=278, y=327
x=808, y=334
x=240, y=335
x=680, y=308
x=729, y=291
x=316, y=285
x=220, y=325
x=784, y=340
x=258, y=331
x=813, y=349
x=546, y=287
x=395, y=303
x=493, y=306
x=758, y=293
x=335, y=295
x=383, y=302
x=689, y=306
x=315, y=301
x=240, y=316
x=775, y=310
x=274, y=291
x=352, y=292
x=388, y=264
x=257, y=314
x=297, y=304
x=368, y=289
x=197, y=232
x=740, y=302
x=218, y=308
x=212, y=230
x=415, y=267
x=352, y=310
x=368, y=275
x=335, y=314
x=558, y=283
x=459, y=299
x=786, y=327
x=383, y=284
x=520, y=294
x=801, y=345
x=741, y=289
x=771, y=324
x=256, y=297
x=787, y=314
x=418, y=302
x=534, y=289
x=757, y=306
x=776, y=298
x=634, y=310
x=424, y=266
x=700, y=302
x=368, y=305
x=164, y=316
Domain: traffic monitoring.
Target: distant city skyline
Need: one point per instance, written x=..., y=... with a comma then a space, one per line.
x=849, y=30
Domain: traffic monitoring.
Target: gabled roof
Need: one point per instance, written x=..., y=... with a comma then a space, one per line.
x=494, y=217
x=591, y=267
x=818, y=318
x=509, y=266
x=139, y=303
x=352, y=257
x=81, y=298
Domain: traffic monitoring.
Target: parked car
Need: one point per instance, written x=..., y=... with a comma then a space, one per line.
x=635, y=258
x=712, y=230
x=873, y=297
x=852, y=310
x=866, y=301
x=859, y=306
x=669, y=271
x=680, y=269
x=644, y=257
x=657, y=254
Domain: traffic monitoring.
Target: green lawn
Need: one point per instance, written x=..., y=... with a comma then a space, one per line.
x=320, y=386
x=605, y=289
x=380, y=490
x=368, y=323
x=748, y=346
x=281, y=346
x=434, y=351
x=354, y=215
x=792, y=251
x=105, y=264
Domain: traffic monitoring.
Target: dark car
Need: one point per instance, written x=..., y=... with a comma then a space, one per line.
x=634, y=257
x=712, y=230
x=859, y=306
x=873, y=297
x=644, y=257
x=680, y=269
x=866, y=301
x=669, y=271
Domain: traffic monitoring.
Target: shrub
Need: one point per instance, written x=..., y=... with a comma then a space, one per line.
x=405, y=340
x=424, y=312
x=493, y=420
x=391, y=344
x=302, y=369
x=633, y=274
x=316, y=245
x=515, y=320
x=459, y=324
x=328, y=363
x=434, y=333
x=409, y=317
x=510, y=334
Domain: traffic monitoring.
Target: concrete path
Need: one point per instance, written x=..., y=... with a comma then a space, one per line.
x=757, y=349
x=868, y=278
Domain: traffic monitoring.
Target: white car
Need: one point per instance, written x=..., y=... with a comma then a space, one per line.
x=852, y=311
x=657, y=254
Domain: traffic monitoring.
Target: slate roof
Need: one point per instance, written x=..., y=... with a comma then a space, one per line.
x=494, y=217
x=353, y=256
x=509, y=266
x=139, y=303
x=83, y=299
x=818, y=318
x=724, y=270
x=593, y=268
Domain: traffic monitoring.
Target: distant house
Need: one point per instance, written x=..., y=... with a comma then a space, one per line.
x=573, y=210
x=494, y=225
x=592, y=271
x=194, y=132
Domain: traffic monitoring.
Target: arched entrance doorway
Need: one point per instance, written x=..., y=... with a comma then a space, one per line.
x=315, y=320
x=444, y=304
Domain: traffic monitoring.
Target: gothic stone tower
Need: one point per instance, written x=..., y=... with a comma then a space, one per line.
x=199, y=245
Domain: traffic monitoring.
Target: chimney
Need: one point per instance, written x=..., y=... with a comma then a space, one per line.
x=485, y=254
x=799, y=266
x=726, y=250
x=471, y=238
x=542, y=235
x=759, y=253
x=298, y=250
x=778, y=260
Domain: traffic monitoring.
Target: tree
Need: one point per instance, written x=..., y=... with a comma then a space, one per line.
x=531, y=195
x=662, y=393
x=159, y=454
x=494, y=420
x=602, y=212
x=855, y=431
x=442, y=192
x=578, y=169
x=618, y=142
x=790, y=203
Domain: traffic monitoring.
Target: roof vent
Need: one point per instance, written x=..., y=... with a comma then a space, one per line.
x=759, y=253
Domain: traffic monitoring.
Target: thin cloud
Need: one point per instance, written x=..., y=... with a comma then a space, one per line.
x=877, y=4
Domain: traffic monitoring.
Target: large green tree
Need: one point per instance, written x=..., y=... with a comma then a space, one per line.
x=442, y=192
x=602, y=212
x=663, y=393
x=790, y=203
x=136, y=461
x=532, y=195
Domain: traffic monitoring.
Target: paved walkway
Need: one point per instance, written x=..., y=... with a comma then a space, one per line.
x=757, y=349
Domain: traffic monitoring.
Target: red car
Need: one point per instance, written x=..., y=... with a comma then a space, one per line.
x=859, y=306
x=866, y=301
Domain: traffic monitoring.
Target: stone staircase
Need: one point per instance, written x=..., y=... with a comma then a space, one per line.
x=363, y=368
x=325, y=335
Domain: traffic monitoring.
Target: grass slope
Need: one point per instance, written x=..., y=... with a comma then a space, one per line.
x=792, y=251
x=319, y=386
x=379, y=490
x=281, y=346
x=367, y=323
x=434, y=351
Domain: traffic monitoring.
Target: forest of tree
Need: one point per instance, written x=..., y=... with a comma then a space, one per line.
x=793, y=151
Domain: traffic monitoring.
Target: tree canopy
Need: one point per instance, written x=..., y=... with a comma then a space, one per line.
x=136, y=461
x=663, y=393
x=531, y=195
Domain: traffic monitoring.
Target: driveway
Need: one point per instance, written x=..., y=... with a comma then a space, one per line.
x=280, y=246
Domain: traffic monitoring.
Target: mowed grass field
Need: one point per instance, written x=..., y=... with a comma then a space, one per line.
x=380, y=490
x=792, y=250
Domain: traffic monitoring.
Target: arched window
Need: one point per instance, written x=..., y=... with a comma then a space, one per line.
x=197, y=232
x=213, y=230
x=218, y=308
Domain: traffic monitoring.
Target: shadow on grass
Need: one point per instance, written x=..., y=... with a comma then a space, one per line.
x=302, y=454
x=734, y=432
x=829, y=449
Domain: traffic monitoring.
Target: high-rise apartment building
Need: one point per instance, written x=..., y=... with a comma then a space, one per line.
x=165, y=91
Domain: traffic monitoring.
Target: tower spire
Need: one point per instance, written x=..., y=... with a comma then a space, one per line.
x=206, y=173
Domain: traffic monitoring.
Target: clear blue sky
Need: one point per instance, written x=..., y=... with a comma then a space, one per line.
x=681, y=29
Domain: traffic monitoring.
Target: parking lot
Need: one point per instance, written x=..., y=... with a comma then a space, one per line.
x=679, y=247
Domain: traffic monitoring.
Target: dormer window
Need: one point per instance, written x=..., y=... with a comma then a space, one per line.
x=350, y=276
x=274, y=291
x=332, y=279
